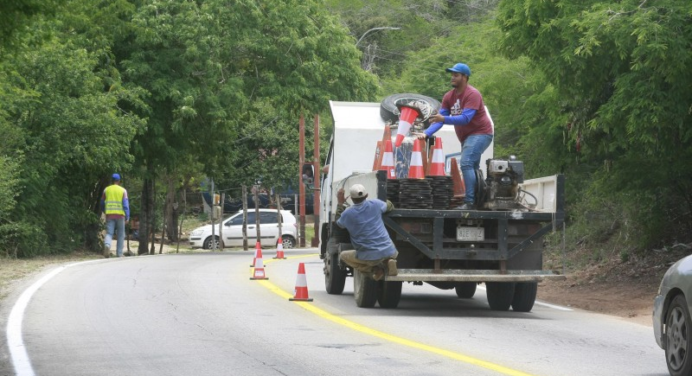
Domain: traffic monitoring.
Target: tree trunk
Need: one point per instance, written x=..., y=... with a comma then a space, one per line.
x=92, y=236
x=244, y=218
x=223, y=198
x=145, y=217
x=257, y=214
x=163, y=230
x=152, y=215
x=172, y=212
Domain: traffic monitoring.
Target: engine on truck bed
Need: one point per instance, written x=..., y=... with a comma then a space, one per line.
x=501, y=187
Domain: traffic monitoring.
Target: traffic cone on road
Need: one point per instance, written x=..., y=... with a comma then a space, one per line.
x=259, y=273
x=437, y=162
x=388, y=160
x=280, y=250
x=415, y=170
x=301, y=292
x=406, y=119
x=258, y=248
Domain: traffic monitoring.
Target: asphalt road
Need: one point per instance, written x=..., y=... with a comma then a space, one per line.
x=200, y=314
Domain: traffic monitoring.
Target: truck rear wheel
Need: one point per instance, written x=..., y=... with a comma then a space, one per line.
x=524, y=296
x=334, y=276
x=389, y=294
x=364, y=290
x=466, y=290
x=500, y=295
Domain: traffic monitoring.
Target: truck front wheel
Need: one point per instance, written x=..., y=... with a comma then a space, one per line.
x=389, y=294
x=364, y=290
x=500, y=295
x=334, y=276
x=524, y=296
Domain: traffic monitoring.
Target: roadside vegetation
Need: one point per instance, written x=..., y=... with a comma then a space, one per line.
x=171, y=93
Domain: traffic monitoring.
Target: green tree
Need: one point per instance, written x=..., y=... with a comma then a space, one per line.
x=621, y=71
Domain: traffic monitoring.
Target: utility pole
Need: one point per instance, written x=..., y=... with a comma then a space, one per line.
x=211, y=215
x=301, y=161
x=316, y=182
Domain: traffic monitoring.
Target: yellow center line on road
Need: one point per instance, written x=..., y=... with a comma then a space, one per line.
x=388, y=337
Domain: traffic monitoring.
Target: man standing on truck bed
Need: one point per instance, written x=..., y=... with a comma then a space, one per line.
x=463, y=107
x=374, y=251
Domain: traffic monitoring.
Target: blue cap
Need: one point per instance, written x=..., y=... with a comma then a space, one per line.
x=460, y=68
x=116, y=177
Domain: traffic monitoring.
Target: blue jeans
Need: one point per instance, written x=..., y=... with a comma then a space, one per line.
x=111, y=226
x=471, y=151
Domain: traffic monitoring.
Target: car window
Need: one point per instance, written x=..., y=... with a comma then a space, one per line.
x=238, y=220
x=268, y=218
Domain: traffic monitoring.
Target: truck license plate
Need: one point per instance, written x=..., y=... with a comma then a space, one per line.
x=470, y=234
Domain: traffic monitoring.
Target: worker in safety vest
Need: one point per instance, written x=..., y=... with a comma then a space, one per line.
x=115, y=204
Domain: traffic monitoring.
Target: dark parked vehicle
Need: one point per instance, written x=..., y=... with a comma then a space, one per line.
x=287, y=202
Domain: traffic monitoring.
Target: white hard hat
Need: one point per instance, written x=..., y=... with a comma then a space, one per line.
x=358, y=191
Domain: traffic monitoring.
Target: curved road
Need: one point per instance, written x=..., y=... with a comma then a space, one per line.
x=200, y=314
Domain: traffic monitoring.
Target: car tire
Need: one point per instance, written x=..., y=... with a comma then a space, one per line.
x=364, y=290
x=389, y=294
x=389, y=107
x=466, y=290
x=208, y=242
x=678, y=338
x=524, y=296
x=500, y=295
x=334, y=276
x=288, y=242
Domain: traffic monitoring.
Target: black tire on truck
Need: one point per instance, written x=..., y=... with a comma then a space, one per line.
x=500, y=295
x=334, y=276
x=389, y=294
x=524, y=296
x=389, y=110
x=364, y=290
x=466, y=290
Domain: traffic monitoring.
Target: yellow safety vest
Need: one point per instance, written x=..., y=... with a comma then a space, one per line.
x=114, y=199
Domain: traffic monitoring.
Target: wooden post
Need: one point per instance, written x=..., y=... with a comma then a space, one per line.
x=279, y=219
x=244, y=217
x=223, y=199
x=301, y=161
x=316, y=180
x=257, y=214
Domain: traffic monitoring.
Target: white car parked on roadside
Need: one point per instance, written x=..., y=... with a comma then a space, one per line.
x=201, y=237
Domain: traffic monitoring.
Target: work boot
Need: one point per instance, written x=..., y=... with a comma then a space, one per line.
x=106, y=251
x=466, y=206
x=391, y=268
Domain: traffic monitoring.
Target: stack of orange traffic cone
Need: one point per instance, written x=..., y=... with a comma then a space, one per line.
x=437, y=162
x=258, y=248
x=259, y=273
x=415, y=170
x=388, y=160
x=406, y=118
x=280, y=250
x=301, y=293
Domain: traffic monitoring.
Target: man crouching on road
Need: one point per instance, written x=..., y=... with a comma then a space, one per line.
x=374, y=251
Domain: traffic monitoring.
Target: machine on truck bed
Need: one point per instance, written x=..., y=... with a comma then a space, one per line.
x=499, y=245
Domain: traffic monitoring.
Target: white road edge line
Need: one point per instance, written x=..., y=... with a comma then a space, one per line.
x=553, y=306
x=15, y=342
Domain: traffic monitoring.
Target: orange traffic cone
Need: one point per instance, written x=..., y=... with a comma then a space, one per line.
x=406, y=119
x=388, y=160
x=258, y=273
x=459, y=187
x=301, y=292
x=437, y=162
x=280, y=250
x=415, y=170
x=258, y=248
